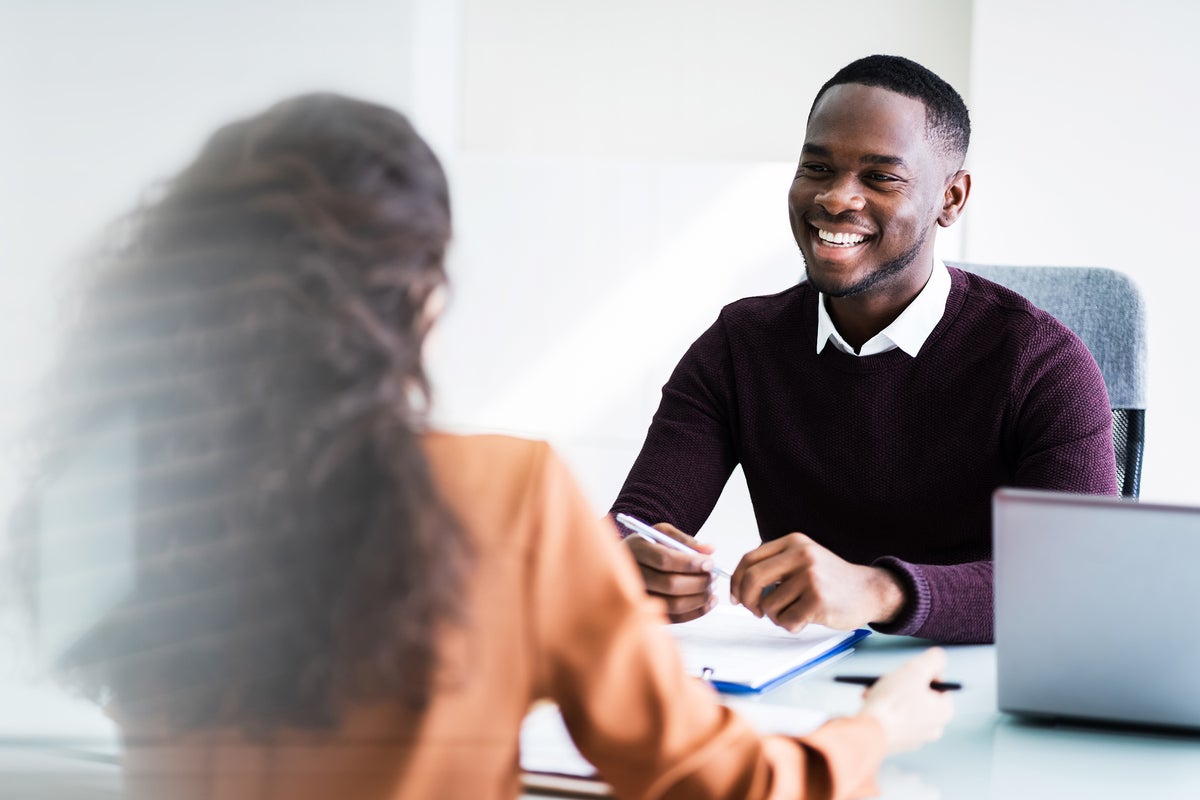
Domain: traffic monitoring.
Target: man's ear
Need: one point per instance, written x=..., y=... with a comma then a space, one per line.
x=955, y=198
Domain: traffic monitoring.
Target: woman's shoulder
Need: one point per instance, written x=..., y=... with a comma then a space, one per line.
x=470, y=456
x=490, y=481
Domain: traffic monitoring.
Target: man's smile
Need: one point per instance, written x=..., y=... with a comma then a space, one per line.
x=841, y=238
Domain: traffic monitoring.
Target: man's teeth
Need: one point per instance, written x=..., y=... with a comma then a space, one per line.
x=845, y=239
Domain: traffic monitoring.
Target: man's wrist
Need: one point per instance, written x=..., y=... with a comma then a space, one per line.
x=889, y=596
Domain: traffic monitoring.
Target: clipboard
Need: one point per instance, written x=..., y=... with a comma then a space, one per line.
x=740, y=654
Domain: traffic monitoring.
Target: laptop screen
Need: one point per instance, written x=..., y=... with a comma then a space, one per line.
x=1093, y=594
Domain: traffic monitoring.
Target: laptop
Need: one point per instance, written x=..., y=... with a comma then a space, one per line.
x=1097, y=608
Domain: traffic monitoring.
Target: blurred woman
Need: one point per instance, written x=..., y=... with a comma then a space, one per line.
x=305, y=593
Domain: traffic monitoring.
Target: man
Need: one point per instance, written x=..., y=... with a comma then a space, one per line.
x=877, y=405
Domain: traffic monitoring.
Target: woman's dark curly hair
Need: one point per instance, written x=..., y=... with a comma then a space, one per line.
x=257, y=330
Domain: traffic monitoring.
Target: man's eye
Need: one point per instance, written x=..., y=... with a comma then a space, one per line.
x=813, y=169
x=881, y=177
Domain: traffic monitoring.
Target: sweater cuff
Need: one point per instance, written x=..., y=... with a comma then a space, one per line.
x=917, y=604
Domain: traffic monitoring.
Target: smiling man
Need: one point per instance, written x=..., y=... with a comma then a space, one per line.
x=877, y=405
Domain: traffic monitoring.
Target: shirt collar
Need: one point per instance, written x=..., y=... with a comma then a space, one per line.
x=907, y=332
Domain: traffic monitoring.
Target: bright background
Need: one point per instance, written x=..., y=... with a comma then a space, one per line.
x=619, y=171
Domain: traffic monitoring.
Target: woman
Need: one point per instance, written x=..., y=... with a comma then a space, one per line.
x=326, y=601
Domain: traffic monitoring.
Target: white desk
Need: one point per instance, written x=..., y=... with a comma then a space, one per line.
x=987, y=755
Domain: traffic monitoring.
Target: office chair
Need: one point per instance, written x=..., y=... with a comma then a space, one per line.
x=1105, y=309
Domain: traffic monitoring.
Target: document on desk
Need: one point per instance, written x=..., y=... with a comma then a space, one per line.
x=550, y=761
x=742, y=654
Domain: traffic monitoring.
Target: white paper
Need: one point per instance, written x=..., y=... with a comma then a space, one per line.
x=740, y=648
x=546, y=746
x=770, y=719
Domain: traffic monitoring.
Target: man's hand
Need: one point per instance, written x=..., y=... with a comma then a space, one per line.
x=808, y=583
x=683, y=580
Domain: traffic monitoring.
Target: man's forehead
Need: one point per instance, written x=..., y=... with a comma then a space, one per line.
x=851, y=97
x=873, y=122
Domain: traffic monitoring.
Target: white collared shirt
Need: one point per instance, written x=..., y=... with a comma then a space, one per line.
x=908, y=331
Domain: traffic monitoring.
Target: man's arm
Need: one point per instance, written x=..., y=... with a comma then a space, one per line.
x=677, y=478
x=1062, y=438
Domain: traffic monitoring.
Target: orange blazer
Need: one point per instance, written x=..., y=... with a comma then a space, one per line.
x=558, y=611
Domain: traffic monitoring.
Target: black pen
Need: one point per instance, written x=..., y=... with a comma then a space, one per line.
x=869, y=680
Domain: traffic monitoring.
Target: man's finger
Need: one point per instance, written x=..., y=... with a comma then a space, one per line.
x=756, y=583
x=680, y=536
x=775, y=553
x=763, y=552
x=664, y=559
x=693, y=613
x=794, y=614
x=675, y=583
x=776, y=598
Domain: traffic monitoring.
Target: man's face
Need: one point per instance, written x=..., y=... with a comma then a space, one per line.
x=867, y=193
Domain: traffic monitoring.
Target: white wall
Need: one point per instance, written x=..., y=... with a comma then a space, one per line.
x=99, y=99
x=689, y=80
x=1086, y=117
x=620, y=173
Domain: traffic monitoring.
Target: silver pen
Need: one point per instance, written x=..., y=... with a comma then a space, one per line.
x=658, y=537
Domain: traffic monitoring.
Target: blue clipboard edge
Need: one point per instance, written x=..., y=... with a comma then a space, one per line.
x=854, y=638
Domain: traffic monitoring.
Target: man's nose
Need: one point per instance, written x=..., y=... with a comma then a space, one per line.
x=843, y=193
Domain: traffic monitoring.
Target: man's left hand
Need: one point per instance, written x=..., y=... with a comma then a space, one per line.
x=811, y=584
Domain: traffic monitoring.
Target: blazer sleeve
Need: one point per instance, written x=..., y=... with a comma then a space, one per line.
x=603, y=655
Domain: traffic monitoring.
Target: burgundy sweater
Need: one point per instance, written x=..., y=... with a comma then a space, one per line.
x=886, y=459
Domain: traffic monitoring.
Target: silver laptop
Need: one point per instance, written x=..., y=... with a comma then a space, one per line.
x=1097, y=608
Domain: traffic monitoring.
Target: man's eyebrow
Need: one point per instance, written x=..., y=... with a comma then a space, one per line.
x=870, y=158
x=816, y=150
x=875, y=158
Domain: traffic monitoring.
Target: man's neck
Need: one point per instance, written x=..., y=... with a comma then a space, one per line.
x=860, y=317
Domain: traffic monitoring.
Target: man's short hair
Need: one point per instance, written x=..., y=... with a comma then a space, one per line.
x=947, y=123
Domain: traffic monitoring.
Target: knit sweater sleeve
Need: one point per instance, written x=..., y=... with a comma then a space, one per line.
x=1061, y=434
x=689, y=450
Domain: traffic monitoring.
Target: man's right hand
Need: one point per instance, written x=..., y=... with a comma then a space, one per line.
x=683, y=580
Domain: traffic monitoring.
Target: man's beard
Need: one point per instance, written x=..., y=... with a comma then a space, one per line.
x=885, y=271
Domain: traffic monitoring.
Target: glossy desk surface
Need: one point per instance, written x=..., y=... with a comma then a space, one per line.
x=985, y=755
x=988, y=755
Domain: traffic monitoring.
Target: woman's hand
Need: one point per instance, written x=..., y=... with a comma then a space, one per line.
x=912, y=714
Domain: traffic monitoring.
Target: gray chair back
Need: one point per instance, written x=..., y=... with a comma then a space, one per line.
x=1105, y=309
